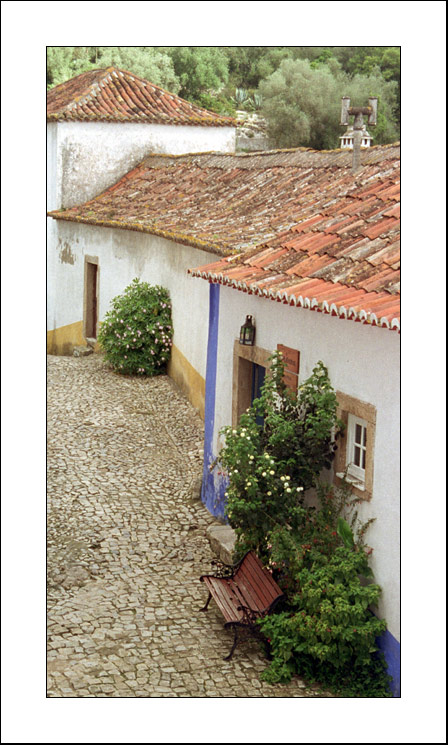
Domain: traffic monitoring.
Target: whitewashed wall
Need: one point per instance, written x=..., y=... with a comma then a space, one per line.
x=363, y=362
x=122, y=256
x=88, y=157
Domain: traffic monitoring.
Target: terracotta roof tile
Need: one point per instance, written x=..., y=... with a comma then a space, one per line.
x=118, y=95
x=380, y=227
x=295, y=226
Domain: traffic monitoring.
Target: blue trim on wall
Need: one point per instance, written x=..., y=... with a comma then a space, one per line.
x=213, y=484
x=391, y=650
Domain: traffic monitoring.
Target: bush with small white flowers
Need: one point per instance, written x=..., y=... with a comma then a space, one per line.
x=269, y=467
x=136, y=334
x=324, y=629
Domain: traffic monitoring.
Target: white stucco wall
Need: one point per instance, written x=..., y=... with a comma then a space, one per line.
x=85, y=158
x=122, y=256
x=363, y=362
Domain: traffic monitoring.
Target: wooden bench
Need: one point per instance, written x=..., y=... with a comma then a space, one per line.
x=243, y=593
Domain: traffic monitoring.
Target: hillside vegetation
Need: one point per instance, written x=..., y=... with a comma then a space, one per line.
x=298, y=90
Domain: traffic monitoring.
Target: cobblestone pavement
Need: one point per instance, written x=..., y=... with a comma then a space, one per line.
x=127, y=544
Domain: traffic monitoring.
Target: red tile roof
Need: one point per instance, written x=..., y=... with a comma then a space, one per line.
x=114, y=95
x=299, y=226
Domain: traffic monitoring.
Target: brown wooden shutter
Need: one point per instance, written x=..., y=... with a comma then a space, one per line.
x=291, y=358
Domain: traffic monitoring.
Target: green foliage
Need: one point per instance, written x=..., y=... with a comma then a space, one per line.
x=215, y=72
x=302, y=101
x=301, y=105
x=241, y=96
x=326, y=630
x=64, y=63
x=199, y=69
x=136, y=333
x=216, y=102
x=270, y=466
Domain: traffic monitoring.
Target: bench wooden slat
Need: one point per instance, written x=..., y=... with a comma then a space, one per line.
x=252, y=597
x=225, y=597
x=251, y=586
x=258, y=583
x=253, y=573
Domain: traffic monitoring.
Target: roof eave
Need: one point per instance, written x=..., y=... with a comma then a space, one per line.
x=181, y=238
x=358, y=315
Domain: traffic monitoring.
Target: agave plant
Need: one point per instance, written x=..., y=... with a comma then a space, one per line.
x=257, y=100
x=241, y=96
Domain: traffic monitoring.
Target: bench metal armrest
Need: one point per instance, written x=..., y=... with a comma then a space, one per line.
x=250, y=615
x=223, y=571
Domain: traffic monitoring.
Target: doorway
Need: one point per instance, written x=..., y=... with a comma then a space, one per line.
x=91, y=297
x=249, y=371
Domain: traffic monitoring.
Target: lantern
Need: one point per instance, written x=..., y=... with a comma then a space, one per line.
x=247, y=332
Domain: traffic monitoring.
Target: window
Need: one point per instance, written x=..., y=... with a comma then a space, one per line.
x=354, y=456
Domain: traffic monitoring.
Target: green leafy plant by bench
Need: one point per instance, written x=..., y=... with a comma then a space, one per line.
x=325, y=630
x=136, y=334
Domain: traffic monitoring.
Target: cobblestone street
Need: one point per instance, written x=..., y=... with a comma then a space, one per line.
x=127, y=544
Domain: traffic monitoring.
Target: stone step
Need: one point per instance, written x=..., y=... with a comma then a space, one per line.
x=222, y=541
x=82, y=351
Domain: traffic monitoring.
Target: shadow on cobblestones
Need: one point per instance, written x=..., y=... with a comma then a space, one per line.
x=127, y=544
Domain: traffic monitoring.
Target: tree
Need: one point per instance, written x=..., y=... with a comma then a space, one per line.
x=199, y=69
x=146, y=62
x=301, y=105
x=64, y=63
x=361, y=87
x=302, y=102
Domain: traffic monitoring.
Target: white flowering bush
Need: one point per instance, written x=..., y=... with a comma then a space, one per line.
x=269, y=467
x=136, y=334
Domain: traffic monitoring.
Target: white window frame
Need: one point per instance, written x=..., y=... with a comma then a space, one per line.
x=357, y=473
x=353, y=411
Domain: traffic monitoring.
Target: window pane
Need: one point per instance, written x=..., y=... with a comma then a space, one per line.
x=358, y=433
x=365, y=436
x=357, y=458
x=363, y=459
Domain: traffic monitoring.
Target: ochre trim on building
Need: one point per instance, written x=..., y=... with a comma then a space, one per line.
x=63, y=339
x=188, y=379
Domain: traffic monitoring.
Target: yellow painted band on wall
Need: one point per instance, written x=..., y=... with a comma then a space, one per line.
x=188, y=379
x=62, y=341
x=65, y=338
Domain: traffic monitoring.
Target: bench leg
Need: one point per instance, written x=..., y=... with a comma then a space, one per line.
x=235, y=642
x=206, y=605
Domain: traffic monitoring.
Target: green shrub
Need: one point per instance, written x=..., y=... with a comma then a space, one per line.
x=326, y=630
x=270, y=466
x=136, y=334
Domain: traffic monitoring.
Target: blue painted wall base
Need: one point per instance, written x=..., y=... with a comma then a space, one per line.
x=213, y=484
x=391, y=650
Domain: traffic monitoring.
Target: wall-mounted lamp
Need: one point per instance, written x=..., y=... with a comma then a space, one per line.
x=247, y=332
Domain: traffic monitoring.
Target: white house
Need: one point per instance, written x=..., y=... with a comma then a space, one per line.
x=301, y=243
x=100, y=125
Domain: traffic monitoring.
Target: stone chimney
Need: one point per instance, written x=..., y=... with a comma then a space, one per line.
x=356, y=135
x=347, y=138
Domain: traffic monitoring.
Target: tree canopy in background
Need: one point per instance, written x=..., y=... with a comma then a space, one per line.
x=299, y=89
x=64, y=63
x=302, y=103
